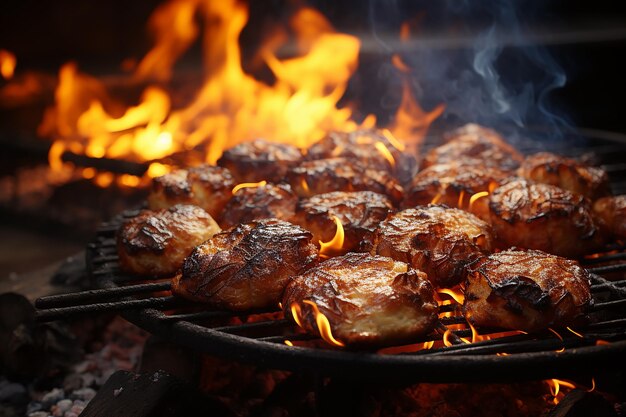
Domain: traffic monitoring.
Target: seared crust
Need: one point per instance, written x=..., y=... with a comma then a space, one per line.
x=475, y=144
x=155, y=243
x=341, y=174
x=205, y=186
x=526, y=290
x=448, y=182
x=544, y=217
x=566, y=173
x=360, y=213
x=255, y=203
x=435, y=239
x=360, y=145
x=369, y=301
x=260, y=160
x=611, y=215
x=246, y=267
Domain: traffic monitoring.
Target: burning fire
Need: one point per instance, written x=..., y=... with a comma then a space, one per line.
x=323, y=325
x=335, y=245
x=231, y=106
x=7, y=64
x=248, y=185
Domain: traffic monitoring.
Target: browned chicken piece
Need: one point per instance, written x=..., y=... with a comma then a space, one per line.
x=246, y=267
x=341, y=174
x=370, y=147
x=566, y=173
x=359, y=213
x=611, y=215
x=544, y=217
x=453, y=184
x=435, y=239
x=205, y=186
x=155, y=243
x=260, y=160
x=526, y=290
x=369, y=301
x=262, y=202
x=475, y=144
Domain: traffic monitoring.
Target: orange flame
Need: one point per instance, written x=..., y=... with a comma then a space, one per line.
x=575, y=332
x=231, y=106
x=296, y=312
x=288, y=342
x=459, y=203
x=336, y=243
x=555, y=388
x=323, y=325
x=382, y=149
x=7, y=64
x=456, y=295
x=436, y=198
x=248, y=185
x=476, y=197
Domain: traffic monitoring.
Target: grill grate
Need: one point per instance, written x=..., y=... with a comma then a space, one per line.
x=260, y=340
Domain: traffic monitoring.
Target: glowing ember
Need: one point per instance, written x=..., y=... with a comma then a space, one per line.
x=323, y=325
x=231, y=106
x=248, y=185
x=334, y=245
x=7, y=64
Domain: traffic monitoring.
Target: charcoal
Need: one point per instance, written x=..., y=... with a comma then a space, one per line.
x=579, y=403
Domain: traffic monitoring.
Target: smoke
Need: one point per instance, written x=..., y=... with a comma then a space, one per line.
x=481, y=59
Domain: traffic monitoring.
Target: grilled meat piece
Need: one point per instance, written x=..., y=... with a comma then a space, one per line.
x=369, y=301
x=544, y=217
x=341, y=174
x=370, y=147
x=526, y=290
x=155, y=243
x=569, y=174
x=205, y=186
x=475, y=144
x=359, y=212
x=435, y=239
x=262, y=202
x=260, y=160
x=611, y=215
x=453, y=184
x=246, y=267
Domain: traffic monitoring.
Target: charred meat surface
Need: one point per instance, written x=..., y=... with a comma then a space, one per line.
x=475, y=144
x=544, y=217
x=611, y=215
x=526, y=290
x=569, y=174
x=205, y=186
x=262, y=202
x=435, y=239
x=359, y=212
x=370, y=147
x=369, y=301
x=453, y=184
x=260, y=160
x=246, y=267
x=341, y=174
x=155, y=243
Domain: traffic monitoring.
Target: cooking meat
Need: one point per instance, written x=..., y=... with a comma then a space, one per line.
x=544, y=217
x=246, y=267
x=435, y=239
x=566, y=173
x=370, y=147
x=453, y=184
x=526, y=290
x=359, y=212
x=369, y=301
x=341, y=174
x=206, y=186
x=611, y=215
x=155, y=243
x=475, y=144
x=262, y=202
x=260, y=160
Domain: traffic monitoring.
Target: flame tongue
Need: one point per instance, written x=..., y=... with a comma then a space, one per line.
x=7, y=64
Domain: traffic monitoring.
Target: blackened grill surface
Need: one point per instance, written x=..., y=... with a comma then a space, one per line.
x=262, y=343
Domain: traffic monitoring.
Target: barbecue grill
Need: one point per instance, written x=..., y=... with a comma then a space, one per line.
x=559, y=354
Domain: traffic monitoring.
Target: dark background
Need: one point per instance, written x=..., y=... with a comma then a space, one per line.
x=99, y=35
